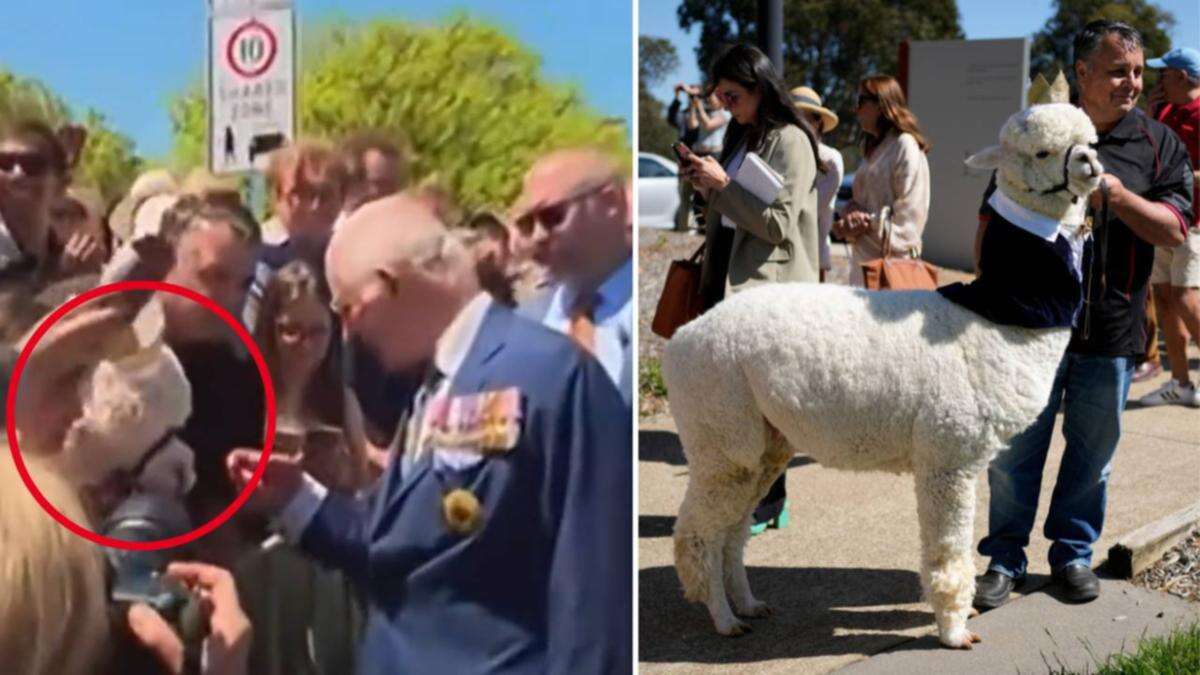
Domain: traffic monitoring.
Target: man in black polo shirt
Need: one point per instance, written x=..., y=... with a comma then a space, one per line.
x=1150, y=204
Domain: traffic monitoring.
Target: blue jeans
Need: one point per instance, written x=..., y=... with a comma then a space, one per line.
x=1094, y=389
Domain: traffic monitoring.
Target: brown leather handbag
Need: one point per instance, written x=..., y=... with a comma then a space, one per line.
x=680, y=301
x=897, y=274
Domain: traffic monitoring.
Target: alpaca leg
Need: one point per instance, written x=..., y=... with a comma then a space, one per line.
x=736, y=582
x=946, y=511
x=775, y=462
x=701, y=534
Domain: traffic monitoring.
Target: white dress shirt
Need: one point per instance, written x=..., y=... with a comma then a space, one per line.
x=452, y=349
x=613, y=317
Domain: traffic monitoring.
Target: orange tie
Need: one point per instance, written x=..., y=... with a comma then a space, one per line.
x=582, y=328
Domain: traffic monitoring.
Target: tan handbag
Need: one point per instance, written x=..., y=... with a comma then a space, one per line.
x=897, y=274
x=680, y=301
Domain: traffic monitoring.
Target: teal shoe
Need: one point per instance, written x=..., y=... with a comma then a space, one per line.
x=777, y=523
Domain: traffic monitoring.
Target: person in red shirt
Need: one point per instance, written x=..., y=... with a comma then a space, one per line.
x=1176, y=276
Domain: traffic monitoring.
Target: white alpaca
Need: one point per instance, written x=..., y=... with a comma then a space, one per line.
x=868, y=381
x=131, y=406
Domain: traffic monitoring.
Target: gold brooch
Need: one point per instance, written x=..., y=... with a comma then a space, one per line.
x=462, y=511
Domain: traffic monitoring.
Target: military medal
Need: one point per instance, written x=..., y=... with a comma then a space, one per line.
x=485, y=423
x=462, y=511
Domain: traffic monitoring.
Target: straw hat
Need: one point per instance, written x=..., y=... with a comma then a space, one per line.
x=149, y=184
x=202, y=183
x=807, y=100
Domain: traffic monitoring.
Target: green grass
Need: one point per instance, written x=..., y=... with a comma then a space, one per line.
x=651, y=379
x=1174, y=654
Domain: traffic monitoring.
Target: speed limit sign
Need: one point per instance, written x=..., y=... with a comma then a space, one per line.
x=252, y=82
x=251, y=49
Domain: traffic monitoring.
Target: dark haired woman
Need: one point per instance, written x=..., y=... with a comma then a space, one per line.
x=891, y=185
x=749, y=239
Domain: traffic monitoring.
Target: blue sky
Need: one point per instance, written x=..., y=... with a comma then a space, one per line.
x=981, y=19
x=127, y=57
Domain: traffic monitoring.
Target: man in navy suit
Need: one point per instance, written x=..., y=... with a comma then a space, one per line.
x=499, y=538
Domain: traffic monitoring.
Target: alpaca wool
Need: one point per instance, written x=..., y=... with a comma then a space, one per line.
x=897, y=381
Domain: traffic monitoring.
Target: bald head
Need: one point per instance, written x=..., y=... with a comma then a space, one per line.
x=575, y=217
x=399, y=278
x=385, y=234
x=563, y=174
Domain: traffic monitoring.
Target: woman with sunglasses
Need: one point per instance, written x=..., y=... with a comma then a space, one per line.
x=893, y=175
x=33, y=175
x=750, y=241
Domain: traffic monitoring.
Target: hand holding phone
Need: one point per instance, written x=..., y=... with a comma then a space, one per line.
x=683, y=152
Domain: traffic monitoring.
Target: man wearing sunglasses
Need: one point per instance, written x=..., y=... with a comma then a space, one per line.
x=33, y=175
x=575, y=210
x=498, y=538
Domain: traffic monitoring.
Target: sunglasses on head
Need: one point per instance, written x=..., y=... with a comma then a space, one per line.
x=863, y=98
x=31, y=163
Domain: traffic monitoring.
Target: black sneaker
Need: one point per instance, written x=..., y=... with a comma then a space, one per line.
x=992, y=589
x=1078, y=583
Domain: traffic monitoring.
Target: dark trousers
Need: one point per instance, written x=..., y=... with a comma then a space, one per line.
x=772, y=505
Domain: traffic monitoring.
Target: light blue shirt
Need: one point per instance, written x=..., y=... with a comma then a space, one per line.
x=613, y=317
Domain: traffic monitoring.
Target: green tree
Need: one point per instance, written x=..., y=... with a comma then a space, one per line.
x=108, y=160
x=471, y=101
x=829, y=45
x=1052, y=46
x=657, y=58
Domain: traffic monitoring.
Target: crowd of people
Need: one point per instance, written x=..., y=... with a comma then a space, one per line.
x=1151, y=239
x=450, y=485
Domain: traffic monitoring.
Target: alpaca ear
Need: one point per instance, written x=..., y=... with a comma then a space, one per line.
x=988, y=158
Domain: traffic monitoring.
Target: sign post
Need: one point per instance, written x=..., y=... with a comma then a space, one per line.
x=964, y=90
x=251, y=82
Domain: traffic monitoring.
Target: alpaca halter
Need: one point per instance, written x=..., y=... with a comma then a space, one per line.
x=1066, y=180
x=152, y=452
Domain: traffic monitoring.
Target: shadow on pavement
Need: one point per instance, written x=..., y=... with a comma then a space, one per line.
x=656, y=445
x=818, y=611
x=654, y=527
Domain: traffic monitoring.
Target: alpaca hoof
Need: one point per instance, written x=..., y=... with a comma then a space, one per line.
x=961, y=639
x=756, y=610
x=735, y=629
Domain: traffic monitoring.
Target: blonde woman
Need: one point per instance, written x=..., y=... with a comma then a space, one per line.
x=891, y=185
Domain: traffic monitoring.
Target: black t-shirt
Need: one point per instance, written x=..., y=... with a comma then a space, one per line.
x=227, y=412
x=1152, y=163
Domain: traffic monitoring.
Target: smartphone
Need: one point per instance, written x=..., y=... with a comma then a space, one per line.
x=683, y=152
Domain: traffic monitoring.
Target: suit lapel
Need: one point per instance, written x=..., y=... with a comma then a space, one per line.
x=472, y=377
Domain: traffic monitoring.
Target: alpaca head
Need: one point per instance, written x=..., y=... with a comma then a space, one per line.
x=130, y=407
x=1045, y=161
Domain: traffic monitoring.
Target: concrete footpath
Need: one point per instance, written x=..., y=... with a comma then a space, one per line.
x=843, y=575
x=1037, y=633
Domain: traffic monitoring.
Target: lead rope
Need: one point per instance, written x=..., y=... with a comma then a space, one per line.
x=1099, y=250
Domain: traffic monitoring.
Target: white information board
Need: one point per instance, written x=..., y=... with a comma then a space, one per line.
x=251, y=82
x=962, y=91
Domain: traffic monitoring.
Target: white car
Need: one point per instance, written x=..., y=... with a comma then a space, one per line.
x=658, y=191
